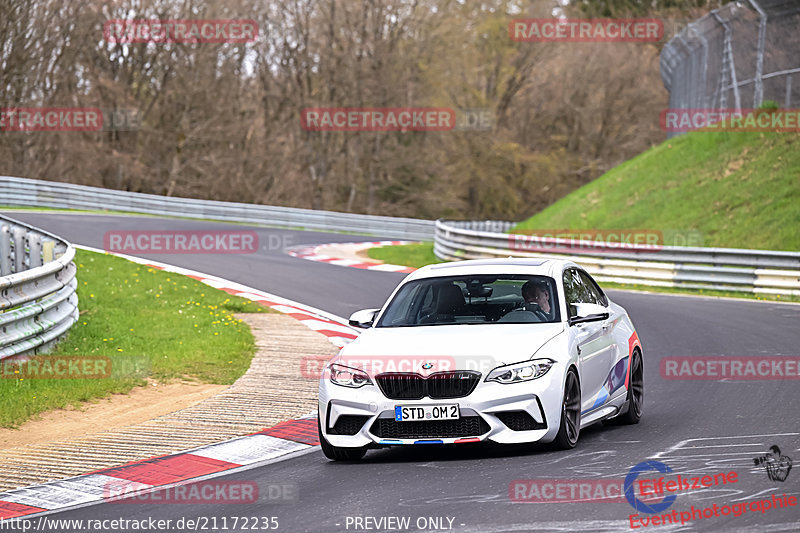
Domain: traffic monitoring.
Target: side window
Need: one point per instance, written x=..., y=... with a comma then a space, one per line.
x=591, y=285
x=422, y=305
x=571, y=291
x=401, y=311
x=585, y=295
x=580, y=288
x=427, y=300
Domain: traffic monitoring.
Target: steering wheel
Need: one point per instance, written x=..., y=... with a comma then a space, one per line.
x=537, y=310
x=425, y=315
x=534, y=308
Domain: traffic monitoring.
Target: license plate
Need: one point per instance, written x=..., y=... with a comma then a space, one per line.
x=408, y=413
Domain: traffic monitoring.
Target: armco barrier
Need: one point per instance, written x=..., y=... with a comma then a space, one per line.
x=757, y=271
x=38, y=303
x=37, y=193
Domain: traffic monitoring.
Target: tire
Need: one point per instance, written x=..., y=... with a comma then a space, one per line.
x=570, y=426
x=635, y=391
x=336, y=453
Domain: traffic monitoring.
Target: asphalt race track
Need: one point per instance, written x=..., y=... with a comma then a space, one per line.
x=696, y=427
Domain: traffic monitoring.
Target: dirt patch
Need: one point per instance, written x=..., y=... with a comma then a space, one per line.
x=120, y=410
x=357, y=251
x=364, y=254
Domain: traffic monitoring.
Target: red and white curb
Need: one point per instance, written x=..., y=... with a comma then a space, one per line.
x=140, y=477
x=292, y=437
x=322, y=254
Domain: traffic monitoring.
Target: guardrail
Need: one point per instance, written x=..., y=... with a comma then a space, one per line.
x=37, y=193
x=730, y=269
x=38, y=303
x=757, y=271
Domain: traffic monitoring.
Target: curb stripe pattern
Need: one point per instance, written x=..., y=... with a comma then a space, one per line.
x=11, y=509
x=169, y=469
x=144, y=476
x=282, y=439
x=303, y=430
x=317, y=253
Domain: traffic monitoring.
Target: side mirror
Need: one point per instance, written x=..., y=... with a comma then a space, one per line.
x=363, y=318
x=588, y=313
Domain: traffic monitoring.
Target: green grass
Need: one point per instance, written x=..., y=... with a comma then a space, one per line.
x=163, y=325
x=739, y=190
x=421, y=254
x=414, y=255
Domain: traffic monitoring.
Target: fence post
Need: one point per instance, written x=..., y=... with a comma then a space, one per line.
x=34, y=250
x=695, y=33
x=729, y=60
x=762, y=35
x=788, y=103
x=5, y=250
x=18, y=235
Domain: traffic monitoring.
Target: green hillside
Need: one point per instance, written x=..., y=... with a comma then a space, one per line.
x=739, y=190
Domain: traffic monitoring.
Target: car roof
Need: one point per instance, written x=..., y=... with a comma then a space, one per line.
x=541, y=266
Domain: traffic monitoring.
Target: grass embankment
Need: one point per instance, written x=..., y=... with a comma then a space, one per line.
x=718, y=189
x=152, y=324
x=739, y=190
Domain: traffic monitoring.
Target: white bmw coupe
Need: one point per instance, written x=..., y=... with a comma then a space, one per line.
x=506, y=350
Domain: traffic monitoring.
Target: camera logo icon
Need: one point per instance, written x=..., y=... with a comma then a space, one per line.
x=777, y=466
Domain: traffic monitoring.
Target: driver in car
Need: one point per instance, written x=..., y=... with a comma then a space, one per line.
x=537, y=299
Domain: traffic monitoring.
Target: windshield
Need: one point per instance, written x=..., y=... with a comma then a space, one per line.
x=474, y=299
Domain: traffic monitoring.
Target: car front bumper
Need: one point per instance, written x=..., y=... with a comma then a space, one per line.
x=370, y=415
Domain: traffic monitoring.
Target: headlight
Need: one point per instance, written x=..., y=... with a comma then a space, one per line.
x=520, y=371
x=348, y=377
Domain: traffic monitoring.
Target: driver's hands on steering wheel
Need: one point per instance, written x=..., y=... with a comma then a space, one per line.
x=536, y=309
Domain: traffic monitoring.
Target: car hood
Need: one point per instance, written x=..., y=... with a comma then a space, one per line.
x=472, y=347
